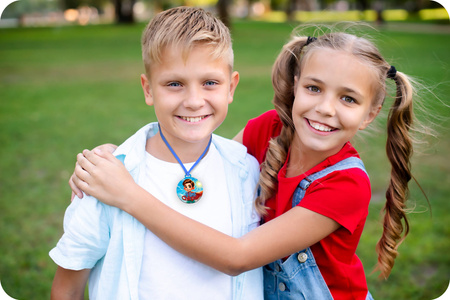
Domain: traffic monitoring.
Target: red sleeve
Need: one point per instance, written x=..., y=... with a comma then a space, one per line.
x=343, y=196
x=259, y=131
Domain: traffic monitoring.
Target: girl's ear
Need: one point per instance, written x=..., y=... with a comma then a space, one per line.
x=295, y=83
x=147, y=90
x=373, y=113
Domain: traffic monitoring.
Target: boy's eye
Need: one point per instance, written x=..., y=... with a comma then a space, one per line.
x=348, y=99
x=210, y=83
x=313, y=89
x=174, y=84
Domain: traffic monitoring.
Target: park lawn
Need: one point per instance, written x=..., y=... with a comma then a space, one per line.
x=69, y=88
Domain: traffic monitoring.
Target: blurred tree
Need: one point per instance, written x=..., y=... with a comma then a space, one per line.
x=290, y=8
x=363, y=4
x=293, y=5
x=77, y=3
x=324, y=3
x=124, y=11
x=123, y=8
x=278, y=4
x=420, y=4
x=223, y=10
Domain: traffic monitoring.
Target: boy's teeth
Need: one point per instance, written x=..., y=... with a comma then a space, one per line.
x=320, y=127
x=192, y=119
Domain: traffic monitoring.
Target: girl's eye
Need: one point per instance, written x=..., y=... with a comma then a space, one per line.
x=313, y=89
x=348, y=99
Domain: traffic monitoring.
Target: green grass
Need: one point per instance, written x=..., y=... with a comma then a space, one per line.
x=69, y=88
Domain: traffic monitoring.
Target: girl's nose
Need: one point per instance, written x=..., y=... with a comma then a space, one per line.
x=326, y=106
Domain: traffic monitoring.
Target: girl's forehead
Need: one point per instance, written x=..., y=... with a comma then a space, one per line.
x=334, y=60
x=341, y=70
x=325, y=54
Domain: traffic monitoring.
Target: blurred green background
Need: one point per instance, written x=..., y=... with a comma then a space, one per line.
x=67, y=88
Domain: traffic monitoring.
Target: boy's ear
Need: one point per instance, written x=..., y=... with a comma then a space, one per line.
x=373, y=113
x=147, y=90
x=233, y=84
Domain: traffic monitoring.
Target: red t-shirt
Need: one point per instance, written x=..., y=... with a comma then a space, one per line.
x=342, y=196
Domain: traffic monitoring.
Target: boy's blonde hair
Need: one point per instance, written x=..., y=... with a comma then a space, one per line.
x=184, y=28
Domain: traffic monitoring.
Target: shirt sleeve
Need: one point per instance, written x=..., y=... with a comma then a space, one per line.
x=249, y=189
x=86, y=235
x=259, y=131
x=343, y=196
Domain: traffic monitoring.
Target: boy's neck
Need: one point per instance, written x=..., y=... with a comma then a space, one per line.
x=187, y=152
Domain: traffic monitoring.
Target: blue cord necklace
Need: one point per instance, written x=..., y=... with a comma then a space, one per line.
x=189, y=189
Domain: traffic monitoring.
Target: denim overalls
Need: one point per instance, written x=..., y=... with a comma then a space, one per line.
x=299, y=277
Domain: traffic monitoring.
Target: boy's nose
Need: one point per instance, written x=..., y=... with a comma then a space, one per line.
x=194, y=99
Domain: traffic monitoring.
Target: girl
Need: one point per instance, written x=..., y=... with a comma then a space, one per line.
x=314, y=192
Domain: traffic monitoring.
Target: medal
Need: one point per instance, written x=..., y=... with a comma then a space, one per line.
x=189, y=189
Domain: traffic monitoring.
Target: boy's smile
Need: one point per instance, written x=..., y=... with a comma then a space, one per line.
x=193, y=119
x=333, y=100
x=190, y=95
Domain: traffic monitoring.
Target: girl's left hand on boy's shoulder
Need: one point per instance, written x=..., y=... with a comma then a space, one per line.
x=101, y=175
x=76, y=190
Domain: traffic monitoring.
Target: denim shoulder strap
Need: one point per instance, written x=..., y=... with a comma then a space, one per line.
x=348, y=163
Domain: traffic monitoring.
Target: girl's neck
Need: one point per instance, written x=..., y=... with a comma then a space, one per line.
x=187, y=152
x=301, y=160
x=299, y=163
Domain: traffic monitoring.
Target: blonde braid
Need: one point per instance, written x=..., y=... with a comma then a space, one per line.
x=283, y=73
x=399, y=151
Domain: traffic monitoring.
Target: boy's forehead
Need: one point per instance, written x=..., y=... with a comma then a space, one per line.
x=171, y=53
x=185, y=51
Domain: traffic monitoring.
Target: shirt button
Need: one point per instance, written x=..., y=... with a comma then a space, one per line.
x=282, y=287
x=302, y=257
x=277, y=268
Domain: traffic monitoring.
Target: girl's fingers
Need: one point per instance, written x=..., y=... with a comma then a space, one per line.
x=75, y=190
x=98, y=156
x=110, y=157
x=81, y=173
x=83, y=162
x=106, y=148
x=106, y=155
x=92, y=157
x=79, y=182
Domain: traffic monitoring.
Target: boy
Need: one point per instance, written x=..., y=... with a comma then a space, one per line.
x=189, y=80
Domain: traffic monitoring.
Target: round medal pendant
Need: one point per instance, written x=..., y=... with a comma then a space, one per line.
x=189, y=190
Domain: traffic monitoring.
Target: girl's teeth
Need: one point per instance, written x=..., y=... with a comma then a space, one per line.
x=320, y=127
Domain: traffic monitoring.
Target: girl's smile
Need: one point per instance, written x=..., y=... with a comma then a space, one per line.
x=323, y=128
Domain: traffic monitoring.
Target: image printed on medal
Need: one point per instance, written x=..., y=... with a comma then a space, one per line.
x=189, y=190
